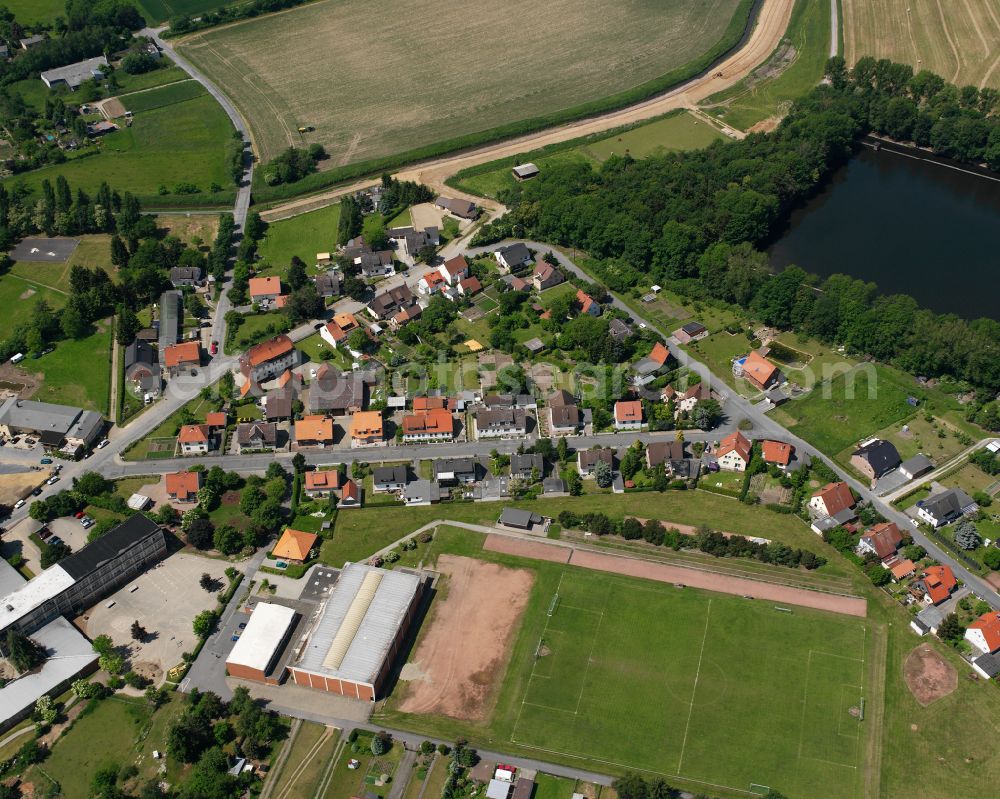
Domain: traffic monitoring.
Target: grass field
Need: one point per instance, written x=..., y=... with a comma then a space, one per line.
x=184, y=142
x=385, y=88
x=794, y=68
x=65, y=382
x=303, y=235
x=30, y=11
x=676, y=131
x=706, y=688
x=957, y=40
x=141, y=101
x=18, y=298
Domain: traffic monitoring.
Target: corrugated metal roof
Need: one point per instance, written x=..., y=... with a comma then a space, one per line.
x=358, y=623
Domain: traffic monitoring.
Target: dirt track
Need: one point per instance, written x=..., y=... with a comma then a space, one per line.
x=661, y=572
x=468, y=642
x=771, y=24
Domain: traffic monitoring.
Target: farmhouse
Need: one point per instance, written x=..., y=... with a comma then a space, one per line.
x=757, y=370
x=390, y=478
x=294, y=546
x=259, y=647
x=501, y=423
x=460, y=208
x=314, y=431
x=565, y=418
x=514, y=257
x=269, y=359
x=178, y=357
x=183, y=486
x=432, y=425
x=73, y=75
x=319, y=483
x=833, y=499
x=80, y=579
x=524, y=171
x=984, y=632
x=734, y=452
x=366, y=429
x=947, y=506
x=265, y=289
x=628, y=415
x=882, y=540
x=875, y=458
x=351, y=646
x=587, y=460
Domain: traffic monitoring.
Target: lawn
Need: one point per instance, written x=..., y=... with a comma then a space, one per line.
x=252, y=325
x=314, y=347
x=817, y=363
x=358, y=535
x=163, y=10
x=18, y=298
x=188, y=226
x=566, y=57
x=793, y=69
x=182, y=91
x=180, y=143
x=303, y=235
x=706, y=688
x=936, y=438
x=65, y=382
x=717, y=351
x=29, y=12
x=168, y=428
x=345, y=783
x=116, y=731
x=842, y=412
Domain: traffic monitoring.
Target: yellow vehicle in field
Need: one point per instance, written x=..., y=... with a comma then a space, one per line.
x=306, y=129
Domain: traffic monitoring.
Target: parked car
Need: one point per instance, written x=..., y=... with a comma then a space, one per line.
x=36, y=493
x=103, y=444
x=79, y=514
x=235, y=638
x=19, y=504
x=243, y=625
x=214, y=349
x=46, y=460
x=55, y=540
x=53, y=480
x=44, y=533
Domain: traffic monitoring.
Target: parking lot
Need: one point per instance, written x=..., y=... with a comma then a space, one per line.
x=167, y=599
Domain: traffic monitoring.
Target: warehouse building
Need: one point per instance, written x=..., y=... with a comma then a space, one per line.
x=257, y=652
x=54, y=425
x=78, y=581
x=358, y=632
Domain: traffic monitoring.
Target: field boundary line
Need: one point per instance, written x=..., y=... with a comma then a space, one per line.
x=694, y=689
x=590, y=657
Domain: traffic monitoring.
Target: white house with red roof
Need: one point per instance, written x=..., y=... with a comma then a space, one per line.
x=628, y=415
x=832, y=499
x=984, y=632
x=882, y=540
x=454, y=269
x=733, y=454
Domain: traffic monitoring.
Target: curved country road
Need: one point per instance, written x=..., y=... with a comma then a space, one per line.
x=772, y=21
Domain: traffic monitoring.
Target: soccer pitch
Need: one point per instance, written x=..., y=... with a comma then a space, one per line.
x=715, y=689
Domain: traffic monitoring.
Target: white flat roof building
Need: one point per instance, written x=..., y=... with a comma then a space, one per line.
x=261, y=641
x=34, y=593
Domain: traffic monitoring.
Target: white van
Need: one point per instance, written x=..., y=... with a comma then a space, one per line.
x=19, y=504
x=17, y=358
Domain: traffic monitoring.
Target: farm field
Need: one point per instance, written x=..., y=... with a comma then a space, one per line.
x=303, y=235
x=268, y=66
x=30, y=11
x=676, y=131
x=183, y=142
x=720, y=691
x=957, y=40
x=792, y=70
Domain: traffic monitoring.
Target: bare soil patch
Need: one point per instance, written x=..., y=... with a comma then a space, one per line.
x=527, y=549
x=16, y=485
x=928, y=675
x=467, y=645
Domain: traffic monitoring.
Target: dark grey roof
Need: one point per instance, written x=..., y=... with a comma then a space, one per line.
x=131, y=532
x=917, y=465
x=554, y=485
x=693, y=328
x=246, y=432
x=950, y=503
x=328, y=285
x=515, y=517
x=390, y=474
x=658, y=452
x=139, y=351
x=505, y=418
x=455, y=465
x=988, y=663
x=179, y=273
x=881, y=456
x=526, y=462
x=516, y=254
x=331, y=391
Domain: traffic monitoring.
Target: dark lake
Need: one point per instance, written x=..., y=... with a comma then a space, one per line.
x=911, y=226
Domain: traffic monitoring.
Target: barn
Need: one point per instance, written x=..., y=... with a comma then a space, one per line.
x=358, y=632
x=255, y=654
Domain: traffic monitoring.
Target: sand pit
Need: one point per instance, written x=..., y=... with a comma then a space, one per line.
x=468, y=642
x=527, y=549
x=928, y=675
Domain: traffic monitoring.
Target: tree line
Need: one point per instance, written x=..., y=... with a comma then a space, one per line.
x=697, y=221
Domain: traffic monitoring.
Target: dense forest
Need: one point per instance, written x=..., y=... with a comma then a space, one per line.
x=694, y=221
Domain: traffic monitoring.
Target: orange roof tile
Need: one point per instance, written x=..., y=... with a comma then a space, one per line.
x=777, y=452
x=294, y=545
x=176, y=354
x=436, y=420
x=314, y=428
x=269, y=350
x=735, y=442
x=585, y=300
x=659, y=353
x=194, y=433
x=281, y=301
x=183, y=485
x=265, y=286
x=884, y=538
x=989, y=625
x=350, y=491
x=939, y=582
x=455, y=266
x=217, y=419
x=323, y=479
x=433, y=279
x=758, y=369
x=628, y=411
x=366, y=424
x=424, y=404
x=836, y=497
x=901, y=569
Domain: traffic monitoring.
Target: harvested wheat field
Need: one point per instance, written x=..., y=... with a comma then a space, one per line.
x=468, y=640
x=928, y=675
x=416, y=72
x=957, y=39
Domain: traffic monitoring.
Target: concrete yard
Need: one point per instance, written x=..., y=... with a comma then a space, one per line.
x=166, y=601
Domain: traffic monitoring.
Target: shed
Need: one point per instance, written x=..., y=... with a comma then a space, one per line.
x=525, y=171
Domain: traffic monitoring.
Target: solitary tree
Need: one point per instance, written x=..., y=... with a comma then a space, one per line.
x=138, y=631
x=206, y=581
x=603, y=475
x=951, y=629
x=967, y=536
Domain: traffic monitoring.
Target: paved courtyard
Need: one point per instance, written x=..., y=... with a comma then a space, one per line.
x=166, y=601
